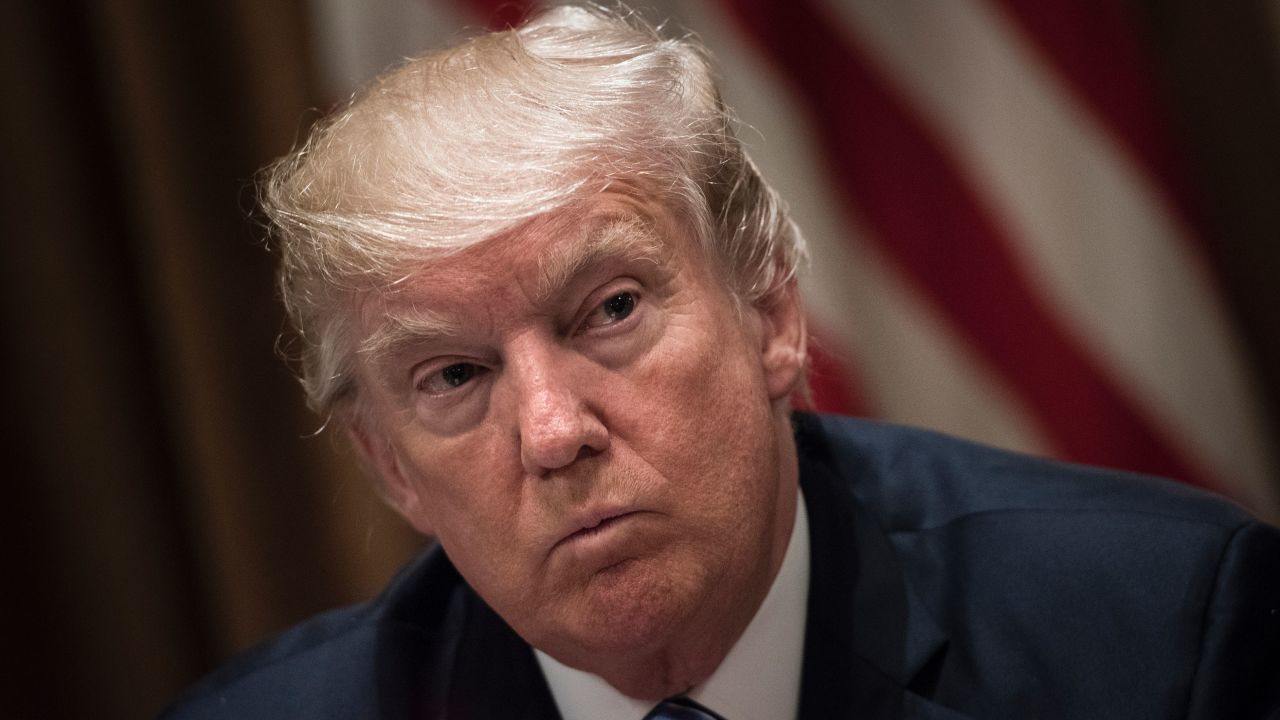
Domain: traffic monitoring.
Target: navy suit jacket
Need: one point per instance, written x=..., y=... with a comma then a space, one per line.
x=948, y=580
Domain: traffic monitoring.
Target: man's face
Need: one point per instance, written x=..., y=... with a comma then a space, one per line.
x=592, y=429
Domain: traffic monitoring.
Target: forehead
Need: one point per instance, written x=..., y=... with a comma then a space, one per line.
x=525, y=268
x=541, y=255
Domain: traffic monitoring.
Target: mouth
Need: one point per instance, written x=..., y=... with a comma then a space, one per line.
x=598, y=528
x=594, y=525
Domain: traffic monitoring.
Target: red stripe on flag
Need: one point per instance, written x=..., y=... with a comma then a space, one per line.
x=500, y=14
x=831, y=378
x=1099, y=54
x=935, y=228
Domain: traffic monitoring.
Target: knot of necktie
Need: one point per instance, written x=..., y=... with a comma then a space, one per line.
x=680, y=708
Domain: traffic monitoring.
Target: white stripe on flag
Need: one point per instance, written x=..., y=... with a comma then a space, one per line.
x=1115, y=263
x=913, y=368
x=354, y=41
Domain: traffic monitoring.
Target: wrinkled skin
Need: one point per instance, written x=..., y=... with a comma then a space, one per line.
x=635, y=392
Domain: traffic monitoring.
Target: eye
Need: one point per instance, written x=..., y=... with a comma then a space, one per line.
x=617, y=307
x=449, y=377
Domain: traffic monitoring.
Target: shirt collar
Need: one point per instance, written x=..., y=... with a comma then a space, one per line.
x=758, y=680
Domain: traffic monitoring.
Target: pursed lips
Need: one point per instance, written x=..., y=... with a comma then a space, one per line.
x=592, y=523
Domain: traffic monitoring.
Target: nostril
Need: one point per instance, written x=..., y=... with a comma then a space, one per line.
x=586, y=451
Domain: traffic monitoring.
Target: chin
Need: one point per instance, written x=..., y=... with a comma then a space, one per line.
x=633, y=610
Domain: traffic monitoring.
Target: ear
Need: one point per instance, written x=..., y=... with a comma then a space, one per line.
x=784, y=341
x=396, y=487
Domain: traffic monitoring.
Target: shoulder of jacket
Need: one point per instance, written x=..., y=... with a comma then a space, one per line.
x=331, y=655
x=914, y=479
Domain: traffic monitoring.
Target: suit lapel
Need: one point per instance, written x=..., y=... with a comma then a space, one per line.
x=871, y=651
x=443, y=653
x=496, y=676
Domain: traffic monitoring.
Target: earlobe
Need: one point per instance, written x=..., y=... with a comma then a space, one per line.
x=784, y=341
x=400, y=492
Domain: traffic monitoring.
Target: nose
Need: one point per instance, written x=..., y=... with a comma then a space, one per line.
x=556, y=424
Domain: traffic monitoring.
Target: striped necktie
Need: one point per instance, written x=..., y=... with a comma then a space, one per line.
x=680, y=708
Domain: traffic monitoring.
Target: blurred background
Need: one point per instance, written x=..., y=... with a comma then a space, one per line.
x=1046, y=224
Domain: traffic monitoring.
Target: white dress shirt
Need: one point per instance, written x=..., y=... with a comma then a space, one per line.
x=758, y=680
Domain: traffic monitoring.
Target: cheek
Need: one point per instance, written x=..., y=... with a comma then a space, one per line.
x=698, y=409
x=469, y=490
x=701, y=371
x=478, y=522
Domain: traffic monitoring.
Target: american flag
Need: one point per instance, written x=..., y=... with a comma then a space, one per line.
x=1005, y=244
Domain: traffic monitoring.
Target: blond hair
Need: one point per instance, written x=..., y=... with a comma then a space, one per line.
x=460, y=145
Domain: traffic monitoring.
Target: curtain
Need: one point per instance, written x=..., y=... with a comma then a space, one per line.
x=169, y=503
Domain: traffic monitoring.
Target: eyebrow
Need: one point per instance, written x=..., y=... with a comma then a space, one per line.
x=627, y=237
x=402, y=329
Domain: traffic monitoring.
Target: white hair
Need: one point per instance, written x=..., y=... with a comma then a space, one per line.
x=459, y=145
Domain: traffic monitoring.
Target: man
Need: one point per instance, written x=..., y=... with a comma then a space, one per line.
x=554, y=305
